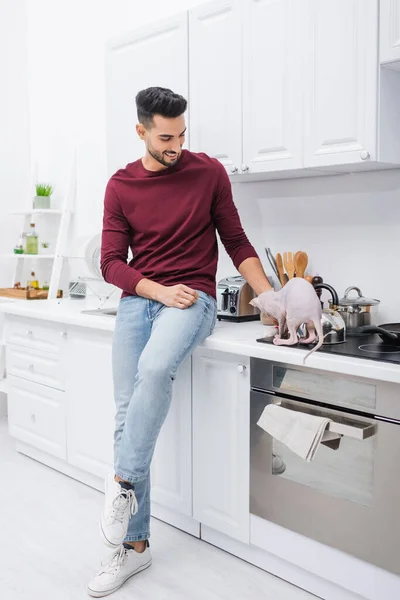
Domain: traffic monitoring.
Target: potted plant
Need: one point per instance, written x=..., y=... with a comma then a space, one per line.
x=43, y=193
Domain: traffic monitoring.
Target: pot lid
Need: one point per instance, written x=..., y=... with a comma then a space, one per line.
x=358, y=300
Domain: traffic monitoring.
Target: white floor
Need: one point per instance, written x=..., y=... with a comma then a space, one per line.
x=50, y=546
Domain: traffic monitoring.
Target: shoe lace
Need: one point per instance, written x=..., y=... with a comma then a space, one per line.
x=123, y=501
x=114, y=562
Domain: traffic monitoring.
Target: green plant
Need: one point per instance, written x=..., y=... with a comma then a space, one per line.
x=43, y=189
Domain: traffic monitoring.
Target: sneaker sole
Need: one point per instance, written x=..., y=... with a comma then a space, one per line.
x=106, y=540
x=95, y=594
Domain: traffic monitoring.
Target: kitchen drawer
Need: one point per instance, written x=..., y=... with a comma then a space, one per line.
x=36, y=334
x=36, y=416
x=46, y=369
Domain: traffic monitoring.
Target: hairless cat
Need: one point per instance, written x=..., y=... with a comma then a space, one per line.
x=294, y=304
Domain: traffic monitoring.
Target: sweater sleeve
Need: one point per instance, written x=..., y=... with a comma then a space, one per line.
x=227, y=221
x=116, y=236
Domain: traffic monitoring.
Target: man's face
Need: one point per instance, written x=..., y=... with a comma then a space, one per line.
x=165, y=138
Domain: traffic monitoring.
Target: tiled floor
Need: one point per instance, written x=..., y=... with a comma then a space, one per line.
x=50, y=546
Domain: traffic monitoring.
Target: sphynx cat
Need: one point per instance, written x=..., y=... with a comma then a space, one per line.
x=294, y=304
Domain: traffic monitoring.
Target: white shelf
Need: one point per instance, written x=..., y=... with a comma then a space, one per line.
x=37, y=211
x=4, y=386
x=35, y=256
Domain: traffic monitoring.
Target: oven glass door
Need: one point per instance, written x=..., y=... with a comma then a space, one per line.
x=343, y=498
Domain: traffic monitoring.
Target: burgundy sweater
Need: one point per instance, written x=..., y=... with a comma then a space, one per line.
x=168, y=218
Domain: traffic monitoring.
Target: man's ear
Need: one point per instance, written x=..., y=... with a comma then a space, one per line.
x=141, y=131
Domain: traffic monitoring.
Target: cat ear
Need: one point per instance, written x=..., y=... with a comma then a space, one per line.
x=255, y=302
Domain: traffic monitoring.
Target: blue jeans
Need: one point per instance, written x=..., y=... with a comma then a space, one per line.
x=150, y=342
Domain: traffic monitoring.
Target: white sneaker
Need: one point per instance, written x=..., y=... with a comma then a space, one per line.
x=119, y=505
x=118, y=568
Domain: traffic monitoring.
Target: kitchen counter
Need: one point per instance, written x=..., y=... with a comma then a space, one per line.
x=234, y=338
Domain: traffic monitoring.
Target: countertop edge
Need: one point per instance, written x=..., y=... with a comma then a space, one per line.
x=223, y=340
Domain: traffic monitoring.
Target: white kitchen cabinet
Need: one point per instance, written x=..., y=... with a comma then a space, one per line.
x=153, y=56
x=91, y=414
x=390, y=33
x=273, y=38
x=90, y=401
x=341, y=82
x=313, y=99
x=215, y=34
x=221, y=441
x=245, y=84
x=171, y=470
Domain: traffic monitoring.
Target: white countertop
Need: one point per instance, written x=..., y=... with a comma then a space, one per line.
x=235, y=338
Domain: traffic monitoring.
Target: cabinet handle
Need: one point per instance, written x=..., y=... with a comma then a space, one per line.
x=28, y=332
x=31, y=367
x=63, y=334
x=241, y=368
x=245, y=167
x=365, y=155
x=234, y=169
x=33, y=418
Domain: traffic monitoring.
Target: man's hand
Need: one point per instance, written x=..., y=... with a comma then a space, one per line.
x=177, y=296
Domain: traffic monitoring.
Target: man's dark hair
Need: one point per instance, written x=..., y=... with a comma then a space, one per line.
x=158, y=101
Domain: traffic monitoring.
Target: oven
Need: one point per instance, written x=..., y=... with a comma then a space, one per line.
x=348, y=498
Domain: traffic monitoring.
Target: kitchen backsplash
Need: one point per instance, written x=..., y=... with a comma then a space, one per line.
x=349, y=225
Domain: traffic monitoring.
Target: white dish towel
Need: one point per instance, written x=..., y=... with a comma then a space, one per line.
x=300, y=432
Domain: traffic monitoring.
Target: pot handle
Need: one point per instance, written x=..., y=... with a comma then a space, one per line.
x=326, y=286
x=389, y=335
x=349, y=289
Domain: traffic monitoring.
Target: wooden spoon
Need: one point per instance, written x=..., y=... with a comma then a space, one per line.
x=279, y=267
x=288, y=261
x=300, y=263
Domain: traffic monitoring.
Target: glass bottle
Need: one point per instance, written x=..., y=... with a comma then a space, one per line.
x=19, y=248
x=33, y=283
x=32, y=241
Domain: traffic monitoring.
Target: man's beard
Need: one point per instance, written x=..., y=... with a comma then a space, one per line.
x=159, y=157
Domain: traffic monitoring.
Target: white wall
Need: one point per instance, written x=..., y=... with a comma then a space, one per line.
x=70, y=57
x=348, y=224
x=14, y=126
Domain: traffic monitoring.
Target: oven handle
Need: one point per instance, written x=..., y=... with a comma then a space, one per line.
x=359, y=430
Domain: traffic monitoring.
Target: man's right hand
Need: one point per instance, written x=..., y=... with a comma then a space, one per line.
x=177, y=296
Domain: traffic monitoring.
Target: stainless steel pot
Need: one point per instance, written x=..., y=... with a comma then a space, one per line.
x=356, y=311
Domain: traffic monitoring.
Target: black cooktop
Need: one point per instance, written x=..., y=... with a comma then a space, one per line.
x=369, y=346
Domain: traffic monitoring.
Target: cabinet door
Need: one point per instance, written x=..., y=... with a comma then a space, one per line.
x=215, y=51
x=390, y=31
x=273, y=122
x=171, y=470
x=341, y=98
x=221, y=439
x=90, y=397
x=154, y=56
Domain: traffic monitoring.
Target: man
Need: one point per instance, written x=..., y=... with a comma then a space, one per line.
x=166, y=207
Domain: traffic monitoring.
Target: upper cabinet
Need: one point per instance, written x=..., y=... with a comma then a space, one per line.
x=276, y=88
x=215, y=57
x=154, y=56
x=306, y=76
x=273, y=36
x=390, y=33
x=341, y=82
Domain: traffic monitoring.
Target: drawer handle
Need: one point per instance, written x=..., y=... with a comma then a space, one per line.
x=33, y=418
